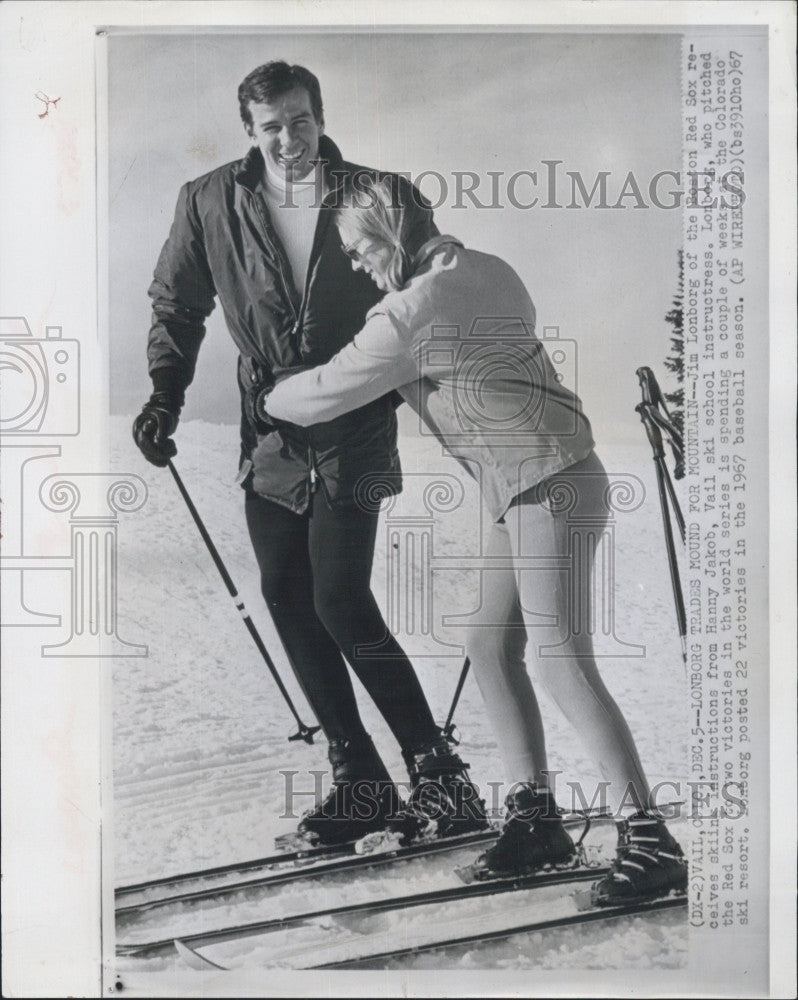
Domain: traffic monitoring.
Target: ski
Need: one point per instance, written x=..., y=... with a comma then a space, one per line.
x=479, y=937
x=349, y=862
x=487, y=888
x=345, y=852
x=308, y=854
x=194, y=960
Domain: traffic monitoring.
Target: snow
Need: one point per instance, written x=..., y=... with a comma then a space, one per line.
x=199, y=728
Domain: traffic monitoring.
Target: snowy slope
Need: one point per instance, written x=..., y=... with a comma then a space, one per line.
x=200, y=730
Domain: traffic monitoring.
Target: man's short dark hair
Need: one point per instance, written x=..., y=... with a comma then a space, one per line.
x=274, y=79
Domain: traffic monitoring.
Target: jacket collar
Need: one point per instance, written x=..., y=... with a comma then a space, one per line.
x=426, y=250
x=251, y=168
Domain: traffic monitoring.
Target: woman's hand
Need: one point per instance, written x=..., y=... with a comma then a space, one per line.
x=257, y=396
x=255, y=406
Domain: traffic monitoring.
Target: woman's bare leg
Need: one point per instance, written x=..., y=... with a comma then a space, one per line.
x=561, y=656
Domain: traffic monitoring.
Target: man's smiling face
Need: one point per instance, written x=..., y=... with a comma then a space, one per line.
x=287, y=133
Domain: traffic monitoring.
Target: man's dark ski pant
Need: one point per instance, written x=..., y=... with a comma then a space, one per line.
x=315, y=577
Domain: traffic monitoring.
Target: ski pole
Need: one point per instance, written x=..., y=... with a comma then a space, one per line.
x=654, y=423
x=664, y=487
x=666, y=493
x=652, y=427
x=305, y=732
x=448, y=727
x=652, y=395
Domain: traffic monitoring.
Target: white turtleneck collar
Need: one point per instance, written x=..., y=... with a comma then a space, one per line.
x=294, y=211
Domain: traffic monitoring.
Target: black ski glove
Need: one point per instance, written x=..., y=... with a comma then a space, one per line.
x=256, y=396
x=154, y=426
x=254, y=406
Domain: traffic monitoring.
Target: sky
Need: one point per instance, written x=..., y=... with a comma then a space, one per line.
x=431, y=104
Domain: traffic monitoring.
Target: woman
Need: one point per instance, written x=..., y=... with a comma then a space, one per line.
x=456, y=334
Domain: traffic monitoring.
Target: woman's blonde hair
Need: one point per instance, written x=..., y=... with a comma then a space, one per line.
x=391, y=212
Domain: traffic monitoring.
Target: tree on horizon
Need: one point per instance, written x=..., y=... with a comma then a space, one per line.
x=674, y=362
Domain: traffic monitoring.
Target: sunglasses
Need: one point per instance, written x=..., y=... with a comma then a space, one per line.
x=354, y=254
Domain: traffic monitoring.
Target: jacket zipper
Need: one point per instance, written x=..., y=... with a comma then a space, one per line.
x=278, y=256
x=315, y=251
x=319, y=235
x=313, y=474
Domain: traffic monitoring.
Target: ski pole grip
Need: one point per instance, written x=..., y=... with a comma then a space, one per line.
x=649, y=385
x=652, y=430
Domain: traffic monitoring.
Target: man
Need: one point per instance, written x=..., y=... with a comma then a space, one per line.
x=257, y=234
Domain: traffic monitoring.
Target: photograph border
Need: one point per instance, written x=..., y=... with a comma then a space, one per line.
x=57, y=771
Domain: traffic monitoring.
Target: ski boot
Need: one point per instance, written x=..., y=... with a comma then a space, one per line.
x=533, y=837
x=361, y=798
x=443, y=801
x=648, y=863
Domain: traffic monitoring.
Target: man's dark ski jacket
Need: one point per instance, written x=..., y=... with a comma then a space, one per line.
x=222, y=244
